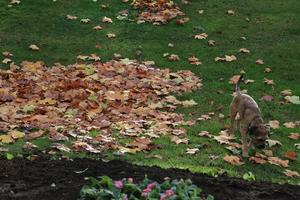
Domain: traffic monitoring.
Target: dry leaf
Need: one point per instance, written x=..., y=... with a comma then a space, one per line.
x=234, y=79
x=178, y=140
x=16, y=134
x=6, y=60
x=7, y=54
x=211, y=42
x=267, y=70
x=278, y=161
x=244, y=50
x=287, y=92
x=192, y=151
x=174, y=57
x=230, y=12
x=289, y=124
x=34, y=135
x=249, y=81
x=291, y=173
x=205, y=133
x=97, y=27
x=6, y=139
x=267, y=98
x=86, y=20
x=268, y=153
x=274, y=124
x=257, y=160
x=201, y=36
x=273, y=142
x=194, y=61
x=107, y=20
x=268, y=82
x=234, y=160
x=293, y=99
x=82, y=57
x=294, y=136
x=111, y=35
x=182, y=20
x=259, y=62
x=34, y=47
x=71, y=17
x=290, y=155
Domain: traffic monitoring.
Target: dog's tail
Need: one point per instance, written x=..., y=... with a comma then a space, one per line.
x=237, y=86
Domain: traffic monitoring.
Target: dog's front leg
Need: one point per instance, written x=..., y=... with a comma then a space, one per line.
x=245, y=145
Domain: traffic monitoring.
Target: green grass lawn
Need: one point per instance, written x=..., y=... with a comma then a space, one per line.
x=272, y=34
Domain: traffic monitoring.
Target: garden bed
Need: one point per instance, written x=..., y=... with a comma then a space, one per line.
x=61, y=179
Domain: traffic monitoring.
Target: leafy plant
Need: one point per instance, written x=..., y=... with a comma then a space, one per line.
x=105, y=188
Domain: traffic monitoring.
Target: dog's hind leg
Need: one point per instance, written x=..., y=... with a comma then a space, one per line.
x=233, y=113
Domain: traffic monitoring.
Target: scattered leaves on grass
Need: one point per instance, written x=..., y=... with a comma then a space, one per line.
x=234, y=160
x=70, y=101
x=294, y=136
x=291, y=173
x=34, y=47
x=291, y=155
x=289, y=124
x=141, y=144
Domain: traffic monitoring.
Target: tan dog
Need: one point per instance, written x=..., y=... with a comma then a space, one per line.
x=244, y=109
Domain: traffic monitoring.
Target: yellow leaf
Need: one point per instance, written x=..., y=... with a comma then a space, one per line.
x=16, y=134
x=6, y=139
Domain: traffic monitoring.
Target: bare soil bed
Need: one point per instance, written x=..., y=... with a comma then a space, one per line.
x=46, y=179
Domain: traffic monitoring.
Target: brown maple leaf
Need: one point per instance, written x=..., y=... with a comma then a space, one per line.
x=234, y=160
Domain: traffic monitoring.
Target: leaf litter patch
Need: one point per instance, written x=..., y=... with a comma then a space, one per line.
x=69, y=102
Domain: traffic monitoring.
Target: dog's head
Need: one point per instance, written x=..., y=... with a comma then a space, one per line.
x=260, y=134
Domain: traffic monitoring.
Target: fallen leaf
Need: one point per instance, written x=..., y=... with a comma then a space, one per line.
x=34, y=135
x=274, y=124
x=141, y=144
x=192, y=151
x=234, y=79
x=257, y=160
x=294, y=136
x=71, y=17
x=289, y=124
x=6, y=60
x=268, y=153
x=85, y=21
x=60, y=147
x=189, y=103
x=107, y=20
x=291, y=173
x=97, y=27
x=174, y=57
x=230, y=12
x=293, y=99
x=200, y=12
x=178, y=140
x=6, y=139
x=278, y=161
x=194, y=61
x=267, y=70
x=287, y=92
x=201, y=36
x=268, y=82
x=297, y=145
x=182, y=20
x=267, y=98
x=170, y=45
x=244, y=50
x=111, y=35
x=249, y=81
x=16, y=134
x=259, y=62
x=291, y=155
x=7, y=54
x=211, y=42
x=272, y=143
x=204, y=133
x=234, y=160
x=34, y=47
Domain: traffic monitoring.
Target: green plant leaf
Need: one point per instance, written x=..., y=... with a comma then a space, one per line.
x=9, y=156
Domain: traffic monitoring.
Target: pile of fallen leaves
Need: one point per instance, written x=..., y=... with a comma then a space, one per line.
x=116, y=96
x=156, y=11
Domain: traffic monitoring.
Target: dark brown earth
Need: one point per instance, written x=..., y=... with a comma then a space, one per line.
x=24, y=179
